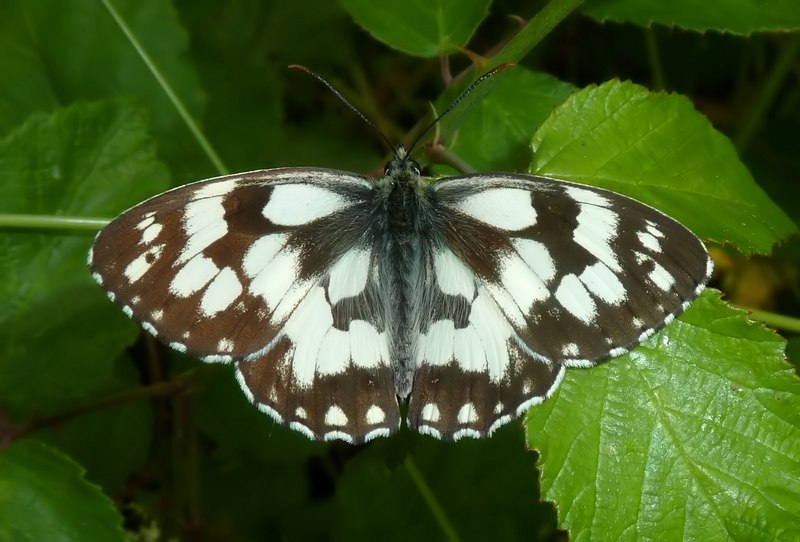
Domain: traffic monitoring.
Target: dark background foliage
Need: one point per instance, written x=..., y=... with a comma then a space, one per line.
x=106, y=434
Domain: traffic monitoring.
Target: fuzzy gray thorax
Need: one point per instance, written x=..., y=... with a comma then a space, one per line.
x=407, y=235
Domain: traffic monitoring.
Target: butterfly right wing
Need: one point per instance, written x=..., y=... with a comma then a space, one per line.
x=263, y=269
x=533, y=275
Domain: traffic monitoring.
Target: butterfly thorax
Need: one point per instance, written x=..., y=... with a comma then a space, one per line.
x=406, y=236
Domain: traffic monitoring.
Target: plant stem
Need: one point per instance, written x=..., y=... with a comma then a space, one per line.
x=168, y=90
x=778, y=321
x=654, y=57
x=51, y=222
x=436, y=509
x=769, y=91
x=550, y=16
x=179, y=384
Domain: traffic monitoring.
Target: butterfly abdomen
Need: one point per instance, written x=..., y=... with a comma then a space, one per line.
x=405, y=242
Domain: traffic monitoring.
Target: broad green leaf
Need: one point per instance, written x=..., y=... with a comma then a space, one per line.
x=426, y=28
x=57, y=52
x=658, y=149
x=736, y=16
x=496, y=134
x=44, y=496
x=694, y=435
x=58, y=333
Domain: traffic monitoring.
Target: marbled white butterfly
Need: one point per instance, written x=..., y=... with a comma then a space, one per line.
x=335, y=294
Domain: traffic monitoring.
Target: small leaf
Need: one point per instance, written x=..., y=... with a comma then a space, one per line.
x=495, y=135
x=671, y=441
x=426, y=28
x=657, y=148
x=43, y=496
x=735, y=16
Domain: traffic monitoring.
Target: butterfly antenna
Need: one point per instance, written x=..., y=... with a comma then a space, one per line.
x=494, y=71
x=344, y=100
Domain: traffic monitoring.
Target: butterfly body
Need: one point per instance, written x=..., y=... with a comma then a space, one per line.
x=334, y=294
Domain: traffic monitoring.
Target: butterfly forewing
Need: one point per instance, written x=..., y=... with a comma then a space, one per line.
x=581, y=274
x=273, y=270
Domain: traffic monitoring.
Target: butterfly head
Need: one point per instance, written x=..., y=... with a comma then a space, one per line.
x=402, y=168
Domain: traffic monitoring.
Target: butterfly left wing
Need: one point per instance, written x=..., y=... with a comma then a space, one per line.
x=533, y=275
x=264, y=269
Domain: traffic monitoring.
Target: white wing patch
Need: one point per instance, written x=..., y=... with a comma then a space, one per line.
x=348, y=276
x=150, y=233
x=142, y=264
x=603, y=283
x=193, y=276
x=218, y=188
x=481, y=346
x=524, y=285
x=658, y=275
x=299, y=204
x=537, y=257
x=575, y=298
x=587, y=196
x=203, y=223
x=597, y=228
x=273, y=268
x=221, y=293
x=452, y=275
x=335, y=416
x=505, y=208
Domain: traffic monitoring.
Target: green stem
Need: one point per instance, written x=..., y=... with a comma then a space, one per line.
x=550, y=16
x=777, y=321
x=654, y=58
x=51, y=222
x=769, y=91
x=436, y=509
x=179, y=384
x=167, y=88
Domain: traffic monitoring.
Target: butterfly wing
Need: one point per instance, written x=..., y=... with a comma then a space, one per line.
x=535, y=275
x=264, y=269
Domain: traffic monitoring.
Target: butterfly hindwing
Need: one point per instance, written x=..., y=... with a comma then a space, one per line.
x=272, y=270
x=329, y=375
x=468, y=343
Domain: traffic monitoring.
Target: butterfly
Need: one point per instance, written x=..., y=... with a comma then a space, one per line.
x=338, y=296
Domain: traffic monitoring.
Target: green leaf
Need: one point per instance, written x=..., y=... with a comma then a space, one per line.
x=735, y=16
x=43, y=496
x=426, y=28
x=496, y=133
x=88, y=160
x=58, y=52
x=672, y=439
x=657, y=148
